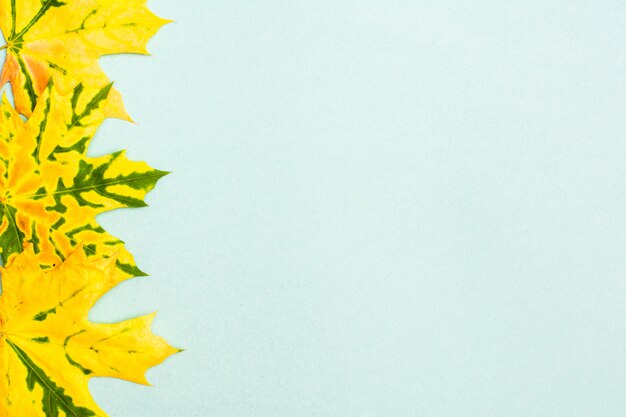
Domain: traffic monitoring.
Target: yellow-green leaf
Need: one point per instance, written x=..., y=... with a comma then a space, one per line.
x=49, y=349
x=51, y=192
x=63, y=39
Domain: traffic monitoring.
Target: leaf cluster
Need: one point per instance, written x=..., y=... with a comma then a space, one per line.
x=58, y=260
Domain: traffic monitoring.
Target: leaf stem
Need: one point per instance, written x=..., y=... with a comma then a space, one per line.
x=3, y=47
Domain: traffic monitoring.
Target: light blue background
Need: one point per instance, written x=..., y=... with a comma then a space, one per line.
x=378, y=208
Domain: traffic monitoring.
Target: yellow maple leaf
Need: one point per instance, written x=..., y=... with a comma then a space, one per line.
x=49, y=349
x=51, y=191
x=63, y=39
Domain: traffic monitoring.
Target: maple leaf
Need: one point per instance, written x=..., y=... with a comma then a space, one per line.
x=51, y=192
x=63, y=40
x=49, y=349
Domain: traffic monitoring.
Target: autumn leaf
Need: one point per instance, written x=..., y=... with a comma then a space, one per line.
x=63, y=40
x=51, y=192
x=49, y=349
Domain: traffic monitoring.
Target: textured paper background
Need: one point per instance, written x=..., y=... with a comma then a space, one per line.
x=379, y=208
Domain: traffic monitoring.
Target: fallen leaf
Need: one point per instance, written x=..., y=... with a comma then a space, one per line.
x=49, y=349
x=51, y=192
x=63, y=40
